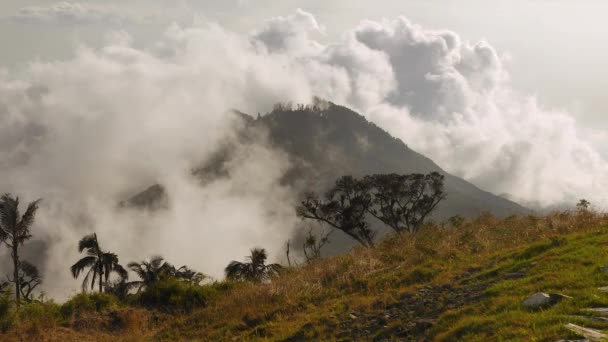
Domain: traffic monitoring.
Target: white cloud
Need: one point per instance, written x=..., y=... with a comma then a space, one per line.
x=86, y=132
x=452, y=101
x=70, y=13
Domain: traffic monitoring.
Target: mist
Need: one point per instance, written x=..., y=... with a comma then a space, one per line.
x=87, y=132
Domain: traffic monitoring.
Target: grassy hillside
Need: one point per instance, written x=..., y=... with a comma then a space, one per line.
x=446, y=283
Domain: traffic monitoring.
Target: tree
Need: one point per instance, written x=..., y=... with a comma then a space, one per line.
x=155, y=269
x=186, y=274
x=583, y=204
x=14, y=231
x=403, y=202
x=101, y=264
x=29, y=279
x=312, y=244
x=344, y=208
x=255, y=270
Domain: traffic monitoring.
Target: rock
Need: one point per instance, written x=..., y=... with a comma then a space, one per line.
x=604, y=269
x=537, y=300
x=603, y=289
x=541, y=300
x=353, y=316
x=590, y=334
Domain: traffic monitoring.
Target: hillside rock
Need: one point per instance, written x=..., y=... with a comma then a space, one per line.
x=541, y=300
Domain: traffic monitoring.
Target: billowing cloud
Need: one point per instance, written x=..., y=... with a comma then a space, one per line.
x=452, y=101
x=84, y=133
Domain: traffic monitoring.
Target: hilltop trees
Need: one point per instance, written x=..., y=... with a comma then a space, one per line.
x=255, y=270
x=101, y=264
x=402, y=202
x=14, y=231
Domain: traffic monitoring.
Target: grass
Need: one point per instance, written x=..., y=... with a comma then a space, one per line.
x=467, y=281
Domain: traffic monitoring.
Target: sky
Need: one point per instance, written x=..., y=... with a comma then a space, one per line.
x=554, y=47
x=99, y=100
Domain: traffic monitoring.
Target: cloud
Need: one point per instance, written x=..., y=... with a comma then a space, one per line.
x=290, y=34
x=452, y=101
x=89, y=131
x=70, y=13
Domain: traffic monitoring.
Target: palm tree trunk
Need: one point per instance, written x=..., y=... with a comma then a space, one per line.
x=15, y=255
x=100, y=278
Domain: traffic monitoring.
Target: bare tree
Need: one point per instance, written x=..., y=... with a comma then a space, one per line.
x=14, y=231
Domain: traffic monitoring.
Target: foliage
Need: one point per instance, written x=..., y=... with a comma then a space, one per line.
x=255, y=270
x=7, y=314
x=29, y=279
x=89, y=302
x=14, y=231
x=344, y=208
x=170, y=293
x=403, y=202
x=153, y=270
x=583, y=204
x=312, y=244
x=101, y=264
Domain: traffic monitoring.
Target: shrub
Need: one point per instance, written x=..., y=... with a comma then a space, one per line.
x=40, y=315
x=174, y=294
x=88, y=302
x=7, y=314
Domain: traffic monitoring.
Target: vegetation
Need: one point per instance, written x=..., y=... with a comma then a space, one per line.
x=255, y=270
x=460, y=280
x=402, y=202
x=444, y=283
x=344, y=208
x=100, y=264
x=14, y=231
x=152, y=271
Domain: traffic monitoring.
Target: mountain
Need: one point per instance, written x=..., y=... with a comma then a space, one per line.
x=324, y=144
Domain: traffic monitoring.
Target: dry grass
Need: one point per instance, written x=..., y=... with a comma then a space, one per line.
x=327, y=289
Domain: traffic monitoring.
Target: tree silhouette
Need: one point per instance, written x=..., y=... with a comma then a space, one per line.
x=14, y=231
x=403, y=202
x=101, y=264
x=583, y=204
x=255, y=270
x=155, y=269
x=312, y=244
x=344, y=208
x=150, y=271
x=29, y=279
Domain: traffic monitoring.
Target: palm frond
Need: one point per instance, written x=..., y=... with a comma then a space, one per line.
x=9, y=213
x=90, y=243
x=235, y=270
x=28, y=217
x=87, y=261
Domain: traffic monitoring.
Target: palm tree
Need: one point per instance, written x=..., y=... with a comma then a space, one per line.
x=101, y=264
x=255, y=270
x=150, y=271
x=14, y=231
